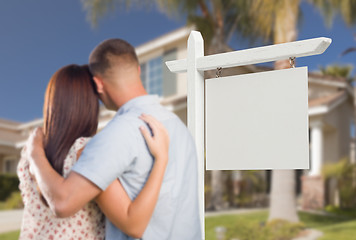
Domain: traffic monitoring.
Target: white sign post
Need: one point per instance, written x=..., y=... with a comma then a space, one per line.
x=253, y=121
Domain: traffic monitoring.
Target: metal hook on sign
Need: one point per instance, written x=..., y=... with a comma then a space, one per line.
x=218, y=72
x=292, y=62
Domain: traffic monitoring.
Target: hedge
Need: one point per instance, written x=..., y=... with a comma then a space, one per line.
x=8, y=183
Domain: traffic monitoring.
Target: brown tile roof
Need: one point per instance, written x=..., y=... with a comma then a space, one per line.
x=326, y=100
x=326, y=77
x=9, y=122
x=310, y=74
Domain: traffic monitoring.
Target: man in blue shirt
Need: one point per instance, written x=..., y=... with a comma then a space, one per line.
x=120, y=152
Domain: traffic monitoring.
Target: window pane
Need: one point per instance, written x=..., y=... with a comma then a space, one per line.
x=155, y=76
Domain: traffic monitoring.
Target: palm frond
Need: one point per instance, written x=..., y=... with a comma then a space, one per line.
x=336, y=70
x=178, y=8
x=202, y=25
x=326, y=8
x=347, y=51
x=97, y=9
x=330, y=8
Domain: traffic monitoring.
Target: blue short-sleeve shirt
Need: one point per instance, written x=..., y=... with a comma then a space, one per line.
x=119, y=151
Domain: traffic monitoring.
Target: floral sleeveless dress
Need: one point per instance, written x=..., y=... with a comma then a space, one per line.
x=39, y=222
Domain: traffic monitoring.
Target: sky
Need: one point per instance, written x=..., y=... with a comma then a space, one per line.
x=38, y=37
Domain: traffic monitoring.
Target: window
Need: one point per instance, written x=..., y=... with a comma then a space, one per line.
x=151, y=76
x=10, y=166
x=156, y=77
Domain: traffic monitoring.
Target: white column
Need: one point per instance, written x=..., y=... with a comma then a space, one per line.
x=316, y=148
x=195, y=118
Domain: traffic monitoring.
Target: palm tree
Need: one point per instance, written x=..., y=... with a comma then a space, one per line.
x=350, y=49
x=345, y=8
x=336, y=70
x=278, y=19
x=217, y=20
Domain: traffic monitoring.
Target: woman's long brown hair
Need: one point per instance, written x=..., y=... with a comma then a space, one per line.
x=70, y=111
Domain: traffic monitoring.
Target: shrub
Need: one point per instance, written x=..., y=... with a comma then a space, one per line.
x=9, y=183
x=282, y=230
x=252, y=190
x=14, y=201
x=347, y=212
x=274, y=230
x=345, y=174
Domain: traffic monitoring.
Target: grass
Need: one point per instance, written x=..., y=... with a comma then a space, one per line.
x=14, y=201
x=10, y=235
x=333, y=227
x=229, y=221
x=3, y=205
x=344, y=231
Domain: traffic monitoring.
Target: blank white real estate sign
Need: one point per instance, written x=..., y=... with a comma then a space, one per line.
x=258, y=121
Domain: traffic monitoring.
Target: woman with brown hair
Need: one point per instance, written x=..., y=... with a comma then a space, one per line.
x=70, y=116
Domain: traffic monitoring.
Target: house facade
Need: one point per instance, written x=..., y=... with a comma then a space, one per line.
x=156, y=78
x=331, y=133
x=331, y=114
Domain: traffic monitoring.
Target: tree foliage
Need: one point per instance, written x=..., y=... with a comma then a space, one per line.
x=337, y=70
x=344, y=173
x=218, y=20
x=330, y=8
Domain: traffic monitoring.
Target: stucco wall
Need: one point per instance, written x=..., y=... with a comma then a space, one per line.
x=182, y=77
x=182, y=114
x=345, y=113
x=331, y=147
x=337, y=132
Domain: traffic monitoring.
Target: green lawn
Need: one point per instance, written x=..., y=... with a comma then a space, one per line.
x=230, y=221
x=334, y=228
x=344, y=231
x=10, y=235
x=2, y=205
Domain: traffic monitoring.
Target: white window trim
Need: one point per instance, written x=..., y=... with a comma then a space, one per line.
x=147, y=57
x=6, y=159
